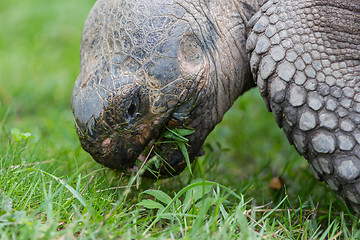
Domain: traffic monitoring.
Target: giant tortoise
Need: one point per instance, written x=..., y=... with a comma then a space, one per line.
x=154, y=66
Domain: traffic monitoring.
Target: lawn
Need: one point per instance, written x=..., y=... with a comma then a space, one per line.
x=51, y=189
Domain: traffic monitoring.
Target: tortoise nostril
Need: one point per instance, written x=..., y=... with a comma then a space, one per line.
x=132, y=109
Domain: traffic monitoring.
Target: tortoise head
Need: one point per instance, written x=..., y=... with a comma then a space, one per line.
x=145, y=68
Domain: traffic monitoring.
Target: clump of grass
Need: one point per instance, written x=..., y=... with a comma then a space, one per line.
x=170, y=139
x=37, y=202
x=179, y=138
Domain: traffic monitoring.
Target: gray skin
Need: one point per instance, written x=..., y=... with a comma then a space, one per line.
x=148, y=65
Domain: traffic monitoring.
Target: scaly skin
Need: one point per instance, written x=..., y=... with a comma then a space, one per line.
x=305, y=57
x=150, y=64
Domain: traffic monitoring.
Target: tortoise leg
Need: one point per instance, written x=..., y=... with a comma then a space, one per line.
x=304, y=56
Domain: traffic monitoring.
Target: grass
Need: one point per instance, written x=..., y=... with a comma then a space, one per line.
x=51, y=189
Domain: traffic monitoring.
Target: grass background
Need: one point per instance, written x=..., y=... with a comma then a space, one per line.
x=51, y=189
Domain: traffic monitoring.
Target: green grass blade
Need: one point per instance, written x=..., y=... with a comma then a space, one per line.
x=76, y=194
x=181, y=192
x=158, y=194
x=148, y=203
x=186, y=155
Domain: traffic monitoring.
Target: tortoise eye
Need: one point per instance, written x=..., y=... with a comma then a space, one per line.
x=191, y=49
x=132, y=109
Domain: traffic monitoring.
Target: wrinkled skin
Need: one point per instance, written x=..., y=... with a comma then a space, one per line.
x=149, y=66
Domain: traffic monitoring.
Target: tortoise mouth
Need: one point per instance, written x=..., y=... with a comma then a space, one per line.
x=145, y=147
x=162, y=156
x=143, y=157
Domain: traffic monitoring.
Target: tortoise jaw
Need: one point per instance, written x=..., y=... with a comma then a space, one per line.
x=119, y=147
x=160, y=156
x=143, y=157
x=114, y=145
x=111, y=152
